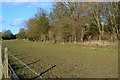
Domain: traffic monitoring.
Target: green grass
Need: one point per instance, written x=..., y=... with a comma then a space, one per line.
x=72, y=61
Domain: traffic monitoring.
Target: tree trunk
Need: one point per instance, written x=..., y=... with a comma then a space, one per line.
x=112, y=38
x=100, y=37
x=75, y=40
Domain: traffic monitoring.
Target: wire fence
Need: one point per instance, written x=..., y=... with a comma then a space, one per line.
x=27, y=66
x=8, y=71
x=12, y=73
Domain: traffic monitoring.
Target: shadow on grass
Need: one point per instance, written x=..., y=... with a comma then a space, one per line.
x=43, y=72
x=18, y=55
x=16, y=67
x=31, y=63
x=25, y=58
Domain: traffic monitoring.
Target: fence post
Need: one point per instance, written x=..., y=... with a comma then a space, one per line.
x=1, y=67
x=5, y=63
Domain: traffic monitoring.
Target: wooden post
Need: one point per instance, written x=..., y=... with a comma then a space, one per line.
x=5, y=63
x=1, y=67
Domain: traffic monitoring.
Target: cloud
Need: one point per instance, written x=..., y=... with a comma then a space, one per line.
x=30, y=4
x=27, y=0
x=13, y=3
x=42, y=4
x=18, y=22
x=1, y=17
x=1, y=22
x=60, y=0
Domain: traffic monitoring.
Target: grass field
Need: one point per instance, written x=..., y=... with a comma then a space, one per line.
x=72, y=61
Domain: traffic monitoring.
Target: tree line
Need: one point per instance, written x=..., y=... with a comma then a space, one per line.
x=7, y=35
x=74, y=22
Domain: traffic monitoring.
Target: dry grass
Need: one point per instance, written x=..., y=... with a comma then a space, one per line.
x=99, y=43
